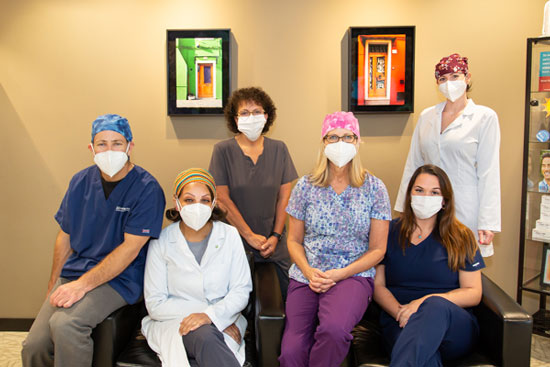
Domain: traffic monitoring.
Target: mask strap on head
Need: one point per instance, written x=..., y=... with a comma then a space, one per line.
x=127, y=148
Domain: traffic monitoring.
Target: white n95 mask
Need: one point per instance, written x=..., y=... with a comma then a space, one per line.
x=111, y=162
x=453, y=89
x=340, y=153
x=426, y=206
x=196, y=215
x=251, y=126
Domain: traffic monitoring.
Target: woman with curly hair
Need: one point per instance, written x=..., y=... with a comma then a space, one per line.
x=254, y=175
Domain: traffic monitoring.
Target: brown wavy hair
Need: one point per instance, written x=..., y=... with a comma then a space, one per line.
x=458, y=240
x=173, y=214
x=252, y=94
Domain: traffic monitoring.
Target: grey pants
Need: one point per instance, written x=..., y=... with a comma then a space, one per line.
x=205, y=347
x=66, y=332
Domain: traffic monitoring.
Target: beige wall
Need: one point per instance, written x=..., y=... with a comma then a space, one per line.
x=62, y=63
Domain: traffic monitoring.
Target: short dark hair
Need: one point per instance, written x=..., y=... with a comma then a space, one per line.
x=253, y=94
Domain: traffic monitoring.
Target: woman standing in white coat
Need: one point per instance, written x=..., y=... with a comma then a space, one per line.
x=464, y=139
x=197, y=281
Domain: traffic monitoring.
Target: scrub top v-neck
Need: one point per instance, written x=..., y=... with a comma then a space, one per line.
x=254, y=188
x=96, y=225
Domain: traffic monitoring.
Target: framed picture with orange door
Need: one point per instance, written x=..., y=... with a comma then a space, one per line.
x=198, y=71
x=381, y=69
x=545, y=267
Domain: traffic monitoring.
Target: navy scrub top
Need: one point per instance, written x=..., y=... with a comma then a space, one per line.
x=96, y=225
x=422, y=269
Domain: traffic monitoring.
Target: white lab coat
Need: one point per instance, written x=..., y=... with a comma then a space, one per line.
x=468, y=151
x=176, y=286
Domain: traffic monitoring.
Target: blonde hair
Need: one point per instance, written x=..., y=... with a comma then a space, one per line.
x=320, y=174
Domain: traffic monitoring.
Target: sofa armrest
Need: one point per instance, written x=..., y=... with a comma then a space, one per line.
x=505, y=327
x=269, y=314
x=112, y=334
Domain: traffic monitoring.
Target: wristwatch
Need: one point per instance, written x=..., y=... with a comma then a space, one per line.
x=275, y=234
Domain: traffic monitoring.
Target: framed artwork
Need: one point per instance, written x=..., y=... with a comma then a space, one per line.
x=381, y=69
x=198, y=71
x=545, y=267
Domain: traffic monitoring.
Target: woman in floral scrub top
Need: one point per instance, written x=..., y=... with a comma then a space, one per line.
x=338, y=229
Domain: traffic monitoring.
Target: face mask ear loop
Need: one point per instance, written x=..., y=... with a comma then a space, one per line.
x=92, y=146
x=178, y=204
x=213, y=204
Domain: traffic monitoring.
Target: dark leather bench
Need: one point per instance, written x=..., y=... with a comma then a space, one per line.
x=118, y=340
x=505, y=338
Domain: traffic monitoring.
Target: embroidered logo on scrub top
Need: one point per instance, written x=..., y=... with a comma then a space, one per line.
x=145, y=231
x=122, y=209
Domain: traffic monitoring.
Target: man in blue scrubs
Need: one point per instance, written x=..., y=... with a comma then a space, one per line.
x=106, y=218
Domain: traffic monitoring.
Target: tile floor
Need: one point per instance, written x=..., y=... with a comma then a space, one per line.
x=10, y=346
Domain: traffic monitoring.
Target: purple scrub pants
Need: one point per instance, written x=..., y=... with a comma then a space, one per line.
x=318, y=325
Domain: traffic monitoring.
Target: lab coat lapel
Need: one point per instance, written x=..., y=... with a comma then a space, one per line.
x=215, y=243
x=183, y=248
x=434, y=154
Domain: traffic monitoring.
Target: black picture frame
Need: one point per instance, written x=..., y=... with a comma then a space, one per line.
x=545, y=267
x=371, y=50
x=198, y=71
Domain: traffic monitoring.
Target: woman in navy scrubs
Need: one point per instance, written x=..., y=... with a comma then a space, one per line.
x=430, y=277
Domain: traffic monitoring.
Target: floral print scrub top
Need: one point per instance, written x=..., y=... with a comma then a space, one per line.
x=337, y=225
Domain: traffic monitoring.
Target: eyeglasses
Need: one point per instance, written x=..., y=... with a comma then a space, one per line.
x=246, y=113
x=335, y=138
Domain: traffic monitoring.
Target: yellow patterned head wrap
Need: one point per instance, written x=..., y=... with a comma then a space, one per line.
x=194, y=175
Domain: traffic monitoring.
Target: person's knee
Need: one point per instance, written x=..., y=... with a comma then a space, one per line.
x=206, y=335
x=435, y=303
x=63, y=325
x=434, y=308
x=333, y=331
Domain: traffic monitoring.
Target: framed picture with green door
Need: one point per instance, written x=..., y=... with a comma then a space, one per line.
x=198, y=71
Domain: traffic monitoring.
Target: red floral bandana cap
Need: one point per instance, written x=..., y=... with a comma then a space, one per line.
x=451, y=64
x=343, y=120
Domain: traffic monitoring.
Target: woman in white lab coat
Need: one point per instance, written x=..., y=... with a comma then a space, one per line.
x=464, y=139
x=197, y=281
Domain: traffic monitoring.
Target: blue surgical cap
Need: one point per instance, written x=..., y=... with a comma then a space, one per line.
x=112, y=122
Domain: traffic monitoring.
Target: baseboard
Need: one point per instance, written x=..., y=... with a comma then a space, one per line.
x=15, y=324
